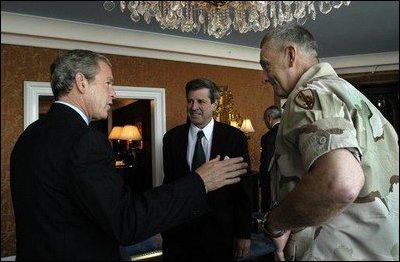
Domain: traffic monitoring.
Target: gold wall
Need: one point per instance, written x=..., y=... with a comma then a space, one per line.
x=20, y=63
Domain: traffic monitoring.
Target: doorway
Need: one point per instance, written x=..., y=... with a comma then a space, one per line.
x=34, y=90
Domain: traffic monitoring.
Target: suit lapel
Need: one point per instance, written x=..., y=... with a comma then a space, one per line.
x=183, y=147
x=216, y=140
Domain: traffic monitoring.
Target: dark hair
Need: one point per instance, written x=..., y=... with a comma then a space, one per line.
x=273, y=111
x=200, y=83
x=292, y=33
x=65, y=67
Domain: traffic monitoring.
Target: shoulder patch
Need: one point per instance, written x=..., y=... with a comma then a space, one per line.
x=305, y=99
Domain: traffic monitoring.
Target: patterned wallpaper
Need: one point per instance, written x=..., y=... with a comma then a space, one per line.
x=20, y=63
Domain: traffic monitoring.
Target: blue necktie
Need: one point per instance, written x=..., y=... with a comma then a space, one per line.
x=198, y=157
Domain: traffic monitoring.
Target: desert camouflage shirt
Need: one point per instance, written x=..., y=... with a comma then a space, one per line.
x=323, y=113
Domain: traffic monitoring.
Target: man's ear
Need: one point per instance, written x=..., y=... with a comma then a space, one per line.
x=291, y=55
x=81, y=82
x=215, y=105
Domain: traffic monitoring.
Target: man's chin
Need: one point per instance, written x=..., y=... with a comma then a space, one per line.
x=196, y=121
x=280, y=93
x=99, y=118
x=195, y=118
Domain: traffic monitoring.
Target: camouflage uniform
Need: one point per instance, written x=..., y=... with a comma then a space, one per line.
x=323, y=113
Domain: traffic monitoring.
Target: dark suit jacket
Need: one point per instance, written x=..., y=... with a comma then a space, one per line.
x=210, y=236
x=267, y=151
x=69, y=203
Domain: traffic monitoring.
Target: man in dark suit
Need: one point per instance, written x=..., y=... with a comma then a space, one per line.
x=272, y=118
x=224, y=232
x=69, y=204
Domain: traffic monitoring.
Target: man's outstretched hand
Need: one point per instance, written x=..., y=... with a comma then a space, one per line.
x=216, y=173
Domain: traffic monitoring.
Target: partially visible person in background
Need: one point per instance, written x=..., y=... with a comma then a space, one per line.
x=224, y=232
x=69, y=203
x=335, y=170
x=272, y=118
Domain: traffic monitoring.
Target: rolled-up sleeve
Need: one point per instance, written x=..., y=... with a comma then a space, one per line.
x=326, y=135
x=323, y=128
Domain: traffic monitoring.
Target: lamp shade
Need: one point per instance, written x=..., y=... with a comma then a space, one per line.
x=115, y=133
x=247, y=127
x=131, y=133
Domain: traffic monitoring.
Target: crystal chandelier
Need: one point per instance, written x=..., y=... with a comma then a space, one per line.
x=219, y=18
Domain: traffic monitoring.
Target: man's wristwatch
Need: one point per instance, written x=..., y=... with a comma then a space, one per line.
x=269, y=233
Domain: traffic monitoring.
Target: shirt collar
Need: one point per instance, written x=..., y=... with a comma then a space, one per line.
x=207, y=130
x=275, y=124
x=313, y=73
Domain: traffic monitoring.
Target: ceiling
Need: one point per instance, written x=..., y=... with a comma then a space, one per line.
x=363, y=27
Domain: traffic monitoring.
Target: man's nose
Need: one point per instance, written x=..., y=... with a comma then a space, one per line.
x=113, y=94
x=194, y=105
x=265, y=79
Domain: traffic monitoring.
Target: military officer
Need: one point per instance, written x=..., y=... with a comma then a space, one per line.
x=336, y=166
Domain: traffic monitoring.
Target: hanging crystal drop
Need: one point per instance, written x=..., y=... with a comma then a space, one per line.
x=302, y=20
x=325, y=7
x=312, y=12
x=288, y=11
x=147, y=17
x=299, y=11
x=109, y=5
x=337, y=4
x=281, y=17
x=122, y=6
x=135, y=16
x=132, y=5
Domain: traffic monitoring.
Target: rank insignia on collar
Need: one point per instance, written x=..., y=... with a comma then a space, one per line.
x=305, y=99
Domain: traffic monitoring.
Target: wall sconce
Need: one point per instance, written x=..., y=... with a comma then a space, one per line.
x=247, y=127
x=234, y=123
x=130, y=133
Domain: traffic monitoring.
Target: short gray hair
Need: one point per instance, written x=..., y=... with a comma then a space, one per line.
x=273, y=111
x=65, y=67
x=292, y=33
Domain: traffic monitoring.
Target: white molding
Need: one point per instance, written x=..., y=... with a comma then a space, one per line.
x=47, y=32
x=9, y=258
x=32, y=91
x=364, y=63
x=62, y=34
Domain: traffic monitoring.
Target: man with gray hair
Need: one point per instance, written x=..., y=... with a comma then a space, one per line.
x=335, y=170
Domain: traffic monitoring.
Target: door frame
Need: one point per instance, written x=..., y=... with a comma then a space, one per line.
x=32, y=91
